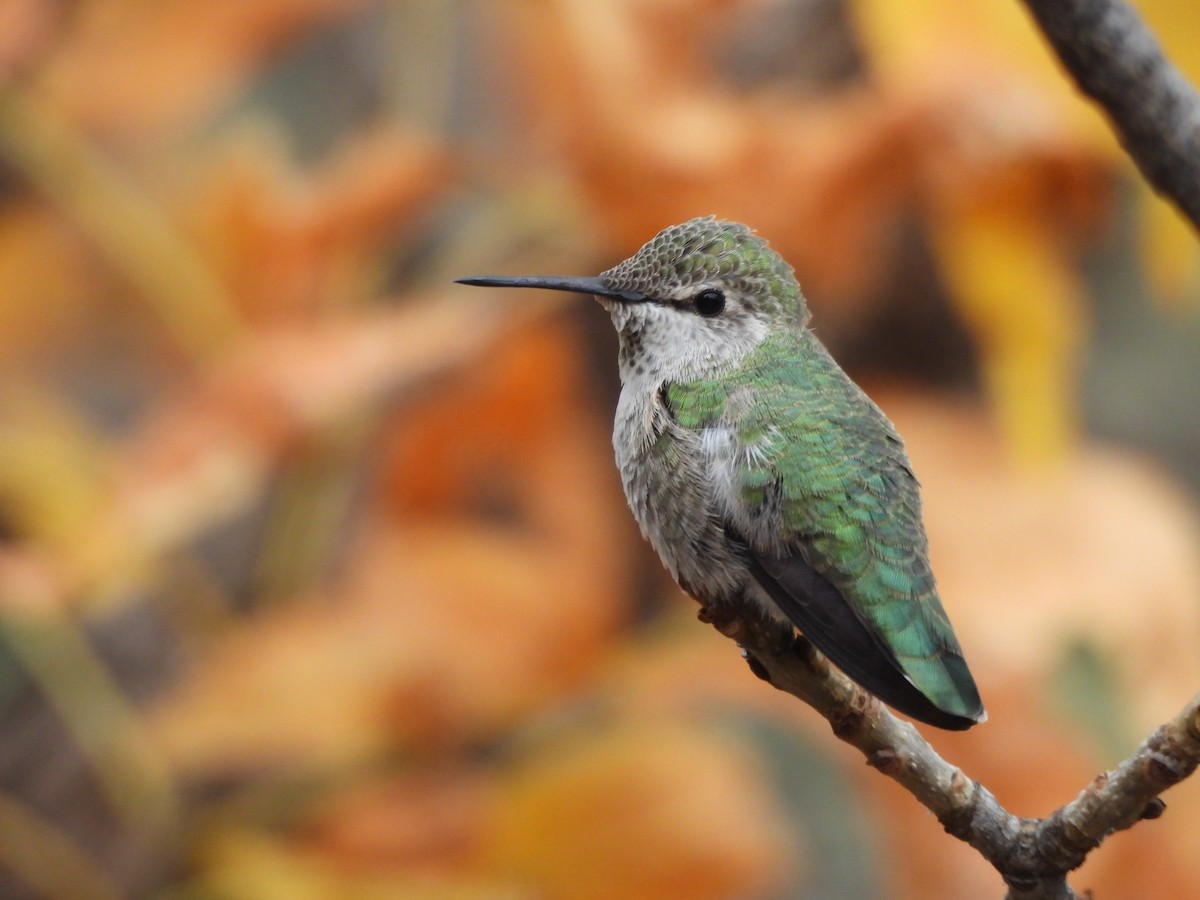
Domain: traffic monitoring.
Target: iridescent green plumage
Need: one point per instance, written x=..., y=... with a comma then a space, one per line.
x=759, y=471
x=846, y=496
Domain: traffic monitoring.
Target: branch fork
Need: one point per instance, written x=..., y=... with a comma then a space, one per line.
x=1032, y=855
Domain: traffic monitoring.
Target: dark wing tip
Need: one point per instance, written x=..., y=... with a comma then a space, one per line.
x=818, y=609
x=940, y=718
x=967, y=692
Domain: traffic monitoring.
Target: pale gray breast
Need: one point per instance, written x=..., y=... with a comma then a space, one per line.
x=668, y=481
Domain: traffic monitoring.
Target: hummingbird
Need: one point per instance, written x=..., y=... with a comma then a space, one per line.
x=761, y=474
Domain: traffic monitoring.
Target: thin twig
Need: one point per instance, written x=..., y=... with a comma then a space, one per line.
x=1032, y=855
x=1116, y=61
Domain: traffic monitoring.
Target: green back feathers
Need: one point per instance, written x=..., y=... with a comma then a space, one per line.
x=834, y=465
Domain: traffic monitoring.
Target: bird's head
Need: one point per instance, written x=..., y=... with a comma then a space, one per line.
x=693, y=301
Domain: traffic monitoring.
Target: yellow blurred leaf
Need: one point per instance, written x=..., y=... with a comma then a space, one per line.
x=640, y=810
x=1017, y=293
x=54, y=469
x=45, y=270
x=426, y=820
x=301, y=688
x=240, y=864
x=948, y=48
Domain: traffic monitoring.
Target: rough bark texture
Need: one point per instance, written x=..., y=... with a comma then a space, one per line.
x=1033, y=856
x=1116, y=61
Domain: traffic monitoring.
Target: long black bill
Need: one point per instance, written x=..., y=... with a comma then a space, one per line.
x=556, y=283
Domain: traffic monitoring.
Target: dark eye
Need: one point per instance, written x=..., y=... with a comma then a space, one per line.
x=709, y=303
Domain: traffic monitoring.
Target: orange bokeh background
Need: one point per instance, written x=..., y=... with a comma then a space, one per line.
x=315, y=575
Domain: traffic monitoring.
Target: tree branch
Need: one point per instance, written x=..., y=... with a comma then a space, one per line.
x=1032, y=855
x=1116, y=61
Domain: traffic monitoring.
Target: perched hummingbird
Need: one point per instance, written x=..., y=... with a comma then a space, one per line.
x=761, y=474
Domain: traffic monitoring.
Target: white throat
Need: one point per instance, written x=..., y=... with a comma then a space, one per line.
x=659, y=343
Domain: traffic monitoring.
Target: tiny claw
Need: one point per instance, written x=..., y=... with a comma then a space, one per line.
x=785, y=641
x=723, y=618
x=759, y=670
x=1153, y=809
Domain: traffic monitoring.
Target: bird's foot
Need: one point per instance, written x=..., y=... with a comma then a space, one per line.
x=759, y=670
x=726, y=619
x=784, y=639
x=732, y=622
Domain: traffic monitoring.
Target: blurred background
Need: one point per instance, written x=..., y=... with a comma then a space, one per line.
x=316, y=579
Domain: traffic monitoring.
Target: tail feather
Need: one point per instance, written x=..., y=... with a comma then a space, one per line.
x=818, y=609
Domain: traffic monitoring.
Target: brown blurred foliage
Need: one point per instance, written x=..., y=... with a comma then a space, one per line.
x=315, y=576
